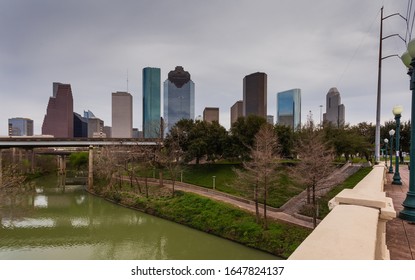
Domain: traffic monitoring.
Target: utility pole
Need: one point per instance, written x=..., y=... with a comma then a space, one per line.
x=378, y=103
x=378, y=100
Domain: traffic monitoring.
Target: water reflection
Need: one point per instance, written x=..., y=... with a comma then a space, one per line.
x=71, y=224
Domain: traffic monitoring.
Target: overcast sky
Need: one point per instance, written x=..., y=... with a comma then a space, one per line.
x=311, y=45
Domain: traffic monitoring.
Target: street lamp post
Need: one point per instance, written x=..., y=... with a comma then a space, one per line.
x=386, y=141
x=397, y=111
x=391, y=133
x=408, y=213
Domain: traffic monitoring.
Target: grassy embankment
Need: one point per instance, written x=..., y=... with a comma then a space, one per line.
x=216, y=218
x=349, y=183
x=225, y=181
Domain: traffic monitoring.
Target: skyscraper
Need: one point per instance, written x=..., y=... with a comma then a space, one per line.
x=211, y=114
x=335, y=111
x=179, y=97
x=237, y=111
x=289, y=108
x=95, y=125
x=80, y=126
x=151, y=102
x=122, y=115
x=20, y=127
x=59, y=117
x=255, y=95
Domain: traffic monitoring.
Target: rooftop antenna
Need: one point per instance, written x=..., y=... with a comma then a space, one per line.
x=127, y=80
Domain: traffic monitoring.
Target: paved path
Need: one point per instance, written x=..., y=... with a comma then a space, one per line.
x=294, y=205
x=242, y=203
x=400, y=235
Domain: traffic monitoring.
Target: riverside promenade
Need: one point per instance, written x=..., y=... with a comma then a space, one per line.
x=400, y=235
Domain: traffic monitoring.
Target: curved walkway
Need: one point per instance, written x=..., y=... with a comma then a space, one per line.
x=287, y=213
x=243, y=203
x=293, y=206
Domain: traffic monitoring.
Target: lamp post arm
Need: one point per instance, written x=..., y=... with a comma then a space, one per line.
x=389, y=56
x=395, y=14
x=392, y=35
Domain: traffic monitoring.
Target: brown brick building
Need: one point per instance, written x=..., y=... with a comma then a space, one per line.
x=58, y=120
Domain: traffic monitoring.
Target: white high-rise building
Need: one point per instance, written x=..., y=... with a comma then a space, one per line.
x=122, y=115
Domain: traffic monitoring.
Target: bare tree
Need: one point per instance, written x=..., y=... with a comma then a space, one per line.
x=105, y=167
x=171, y=156
x=260, y=172
x=315, y=163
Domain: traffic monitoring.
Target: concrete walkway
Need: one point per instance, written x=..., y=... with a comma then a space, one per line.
x=293, y=206
x=400, y=235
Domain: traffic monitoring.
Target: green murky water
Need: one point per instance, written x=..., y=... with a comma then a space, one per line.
x=68, y=223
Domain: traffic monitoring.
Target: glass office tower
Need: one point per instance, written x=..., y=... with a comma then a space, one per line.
x=20, y=127
x=151, y=102
x=289, y=108
x=179, y=97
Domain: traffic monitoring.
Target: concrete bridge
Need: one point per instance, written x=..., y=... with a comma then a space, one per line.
x=62, y=147
x=42, y=142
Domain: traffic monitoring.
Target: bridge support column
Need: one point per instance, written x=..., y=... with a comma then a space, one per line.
x=32, y=161
x=61, y=165
x=91, y=168
x=14, y=155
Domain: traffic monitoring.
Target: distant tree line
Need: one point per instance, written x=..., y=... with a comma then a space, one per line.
x=200, y=140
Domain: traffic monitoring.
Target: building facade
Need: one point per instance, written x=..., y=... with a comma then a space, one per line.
x=20, y=127
x=211, y=114
x=237, y=110
x=80, y=126
x=289, y=108
x=335, y=111
x=122, y=115
x=59, y=118
x=151, y=102
x=179, y=97
x=255, y=95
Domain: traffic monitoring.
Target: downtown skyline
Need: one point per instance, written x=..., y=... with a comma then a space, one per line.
x=313, y=46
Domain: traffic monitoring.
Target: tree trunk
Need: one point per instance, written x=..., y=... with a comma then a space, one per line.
x=265, y=203
x=161, y=178
x=314, y=206
x=146, y=186
x=173, y=183
x=256, y=203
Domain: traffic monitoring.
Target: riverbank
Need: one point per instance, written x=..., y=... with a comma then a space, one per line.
x=216, y=218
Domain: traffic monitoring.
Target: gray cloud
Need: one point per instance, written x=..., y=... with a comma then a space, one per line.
x=312, y=45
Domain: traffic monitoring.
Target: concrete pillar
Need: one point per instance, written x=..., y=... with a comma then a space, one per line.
x=91, y=168
x=13, y=155
x=63, y=158
x=59, y=163
x=32, y=161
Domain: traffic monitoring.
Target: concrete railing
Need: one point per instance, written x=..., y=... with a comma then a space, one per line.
x=355, y=229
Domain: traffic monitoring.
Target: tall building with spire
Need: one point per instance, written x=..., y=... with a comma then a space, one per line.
x=335, y=111
x=179, y=97
x=151, y=102
x=255, y=95
x=59, y=117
